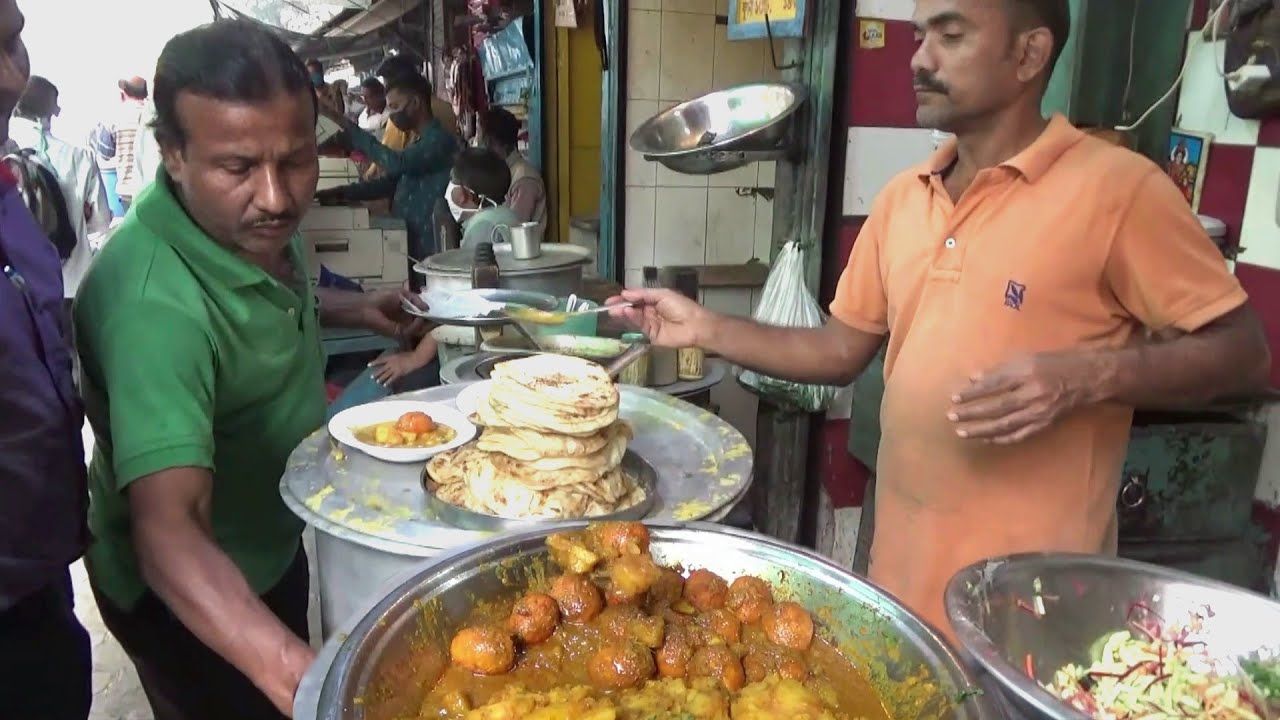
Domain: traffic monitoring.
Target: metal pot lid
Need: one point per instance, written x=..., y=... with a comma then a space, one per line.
x=555, y=256
x=703, y=465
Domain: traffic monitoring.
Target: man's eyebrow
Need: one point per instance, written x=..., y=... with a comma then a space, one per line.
x=942, y=18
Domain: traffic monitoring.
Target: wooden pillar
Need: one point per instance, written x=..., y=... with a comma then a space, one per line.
x=780, y=493
x=784, y=496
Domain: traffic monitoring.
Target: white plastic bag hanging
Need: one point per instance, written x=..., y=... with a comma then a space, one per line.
x=787, y=302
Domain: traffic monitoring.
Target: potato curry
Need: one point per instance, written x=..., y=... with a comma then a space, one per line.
x=618, y=637
x=411, y=430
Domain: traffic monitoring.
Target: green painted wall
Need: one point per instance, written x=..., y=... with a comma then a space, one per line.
x=1057, y=97
x=1089, y=82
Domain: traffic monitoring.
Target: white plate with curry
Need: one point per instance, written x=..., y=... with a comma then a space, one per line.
x=402, y=431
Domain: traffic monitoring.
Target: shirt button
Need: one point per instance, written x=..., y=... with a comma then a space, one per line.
x=292, y=312
x=950, y=243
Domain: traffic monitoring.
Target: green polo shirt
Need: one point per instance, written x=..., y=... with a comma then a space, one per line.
x=193, y=357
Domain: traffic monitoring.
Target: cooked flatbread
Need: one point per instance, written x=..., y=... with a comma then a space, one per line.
x=517, y=502
x=549, y=451
x=498, y=410
x=557, y=380
x=474, y=466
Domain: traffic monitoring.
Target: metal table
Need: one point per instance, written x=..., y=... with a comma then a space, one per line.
x=371, y=522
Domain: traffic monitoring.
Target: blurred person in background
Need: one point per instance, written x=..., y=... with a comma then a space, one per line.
x=73, y=166
x=527, y=198
x=395, y=68
x=45, y=661
x=478, y=183
x=114, y=143
x=373, y=118
x=414, y=177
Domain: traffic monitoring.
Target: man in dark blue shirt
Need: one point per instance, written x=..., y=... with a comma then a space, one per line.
x=44, y=651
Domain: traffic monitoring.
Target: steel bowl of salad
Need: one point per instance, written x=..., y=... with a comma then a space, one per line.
x=1081, y=636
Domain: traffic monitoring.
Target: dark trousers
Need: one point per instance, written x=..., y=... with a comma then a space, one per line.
x=45, y=663
x=184, y=679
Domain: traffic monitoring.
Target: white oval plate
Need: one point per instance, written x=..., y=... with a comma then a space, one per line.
x=340, y=428
x=466, y=400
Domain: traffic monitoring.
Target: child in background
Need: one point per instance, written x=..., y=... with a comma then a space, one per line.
x=477, y=190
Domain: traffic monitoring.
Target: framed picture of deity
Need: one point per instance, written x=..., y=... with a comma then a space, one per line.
x=1186, y=158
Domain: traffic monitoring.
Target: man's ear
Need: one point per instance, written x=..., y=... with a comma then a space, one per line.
x=172, y=158
x=1035, y=49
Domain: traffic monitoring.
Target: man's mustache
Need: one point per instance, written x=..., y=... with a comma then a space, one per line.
x=928, y=83
x=274, y=221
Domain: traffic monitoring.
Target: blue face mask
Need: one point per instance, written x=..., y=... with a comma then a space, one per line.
x=317, y=79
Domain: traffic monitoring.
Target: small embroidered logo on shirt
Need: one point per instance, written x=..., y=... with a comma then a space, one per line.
x=1014, y=293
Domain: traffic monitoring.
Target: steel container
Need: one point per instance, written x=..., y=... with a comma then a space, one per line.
x=994, y=610
x=395, y=652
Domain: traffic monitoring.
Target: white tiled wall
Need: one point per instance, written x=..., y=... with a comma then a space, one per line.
x=886, y=9
x=677, y=52
x=874, y=155
x=1202, y=105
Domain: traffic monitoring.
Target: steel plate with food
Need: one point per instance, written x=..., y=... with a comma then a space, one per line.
x=1070, y=636
x=623, y=621
x=401, y=430
x=551, y=446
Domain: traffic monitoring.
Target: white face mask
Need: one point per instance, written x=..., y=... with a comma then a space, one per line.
x=460, y=213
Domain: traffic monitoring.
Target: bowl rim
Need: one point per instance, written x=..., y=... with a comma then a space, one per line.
x=799, y=92
x=975, y=644
x=464, y=429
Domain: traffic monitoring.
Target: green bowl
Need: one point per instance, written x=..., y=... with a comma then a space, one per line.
x=582, y=325
x=583, y=346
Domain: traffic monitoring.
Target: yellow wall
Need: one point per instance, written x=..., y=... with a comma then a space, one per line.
x=573, y=123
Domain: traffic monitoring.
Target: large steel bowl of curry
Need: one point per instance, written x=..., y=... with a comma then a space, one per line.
x=883, y=661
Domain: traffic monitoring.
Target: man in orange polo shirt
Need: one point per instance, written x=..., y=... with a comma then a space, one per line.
x=1014, y=274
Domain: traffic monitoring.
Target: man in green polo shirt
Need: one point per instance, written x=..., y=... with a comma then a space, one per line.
x=199, y=334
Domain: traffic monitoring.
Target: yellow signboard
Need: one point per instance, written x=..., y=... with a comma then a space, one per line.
x=870, y=34
x=754, y=11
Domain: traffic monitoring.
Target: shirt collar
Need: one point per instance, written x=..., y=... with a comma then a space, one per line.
x=159, y=209
x=1032, y=163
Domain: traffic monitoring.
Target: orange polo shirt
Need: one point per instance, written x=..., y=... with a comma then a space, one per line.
x=1072, y=243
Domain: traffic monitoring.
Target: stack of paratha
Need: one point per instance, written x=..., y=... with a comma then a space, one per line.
x=550, y=447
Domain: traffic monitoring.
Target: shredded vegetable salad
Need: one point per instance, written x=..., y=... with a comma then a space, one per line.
x=1154, y=672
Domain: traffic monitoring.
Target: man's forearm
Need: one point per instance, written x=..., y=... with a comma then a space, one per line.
x=209, y=595
x=1228, y=358
x=341, y=308
x=827, y=355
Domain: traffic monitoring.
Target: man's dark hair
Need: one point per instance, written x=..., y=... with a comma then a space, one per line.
x=373, y=85
x=396, y=66
x=227, y=60
x=1052, y=14
x=413, y=84
x=38, y=100
x=484, y=172
x=501, y=126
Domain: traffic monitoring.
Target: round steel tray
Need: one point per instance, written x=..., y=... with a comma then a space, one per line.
x=535, y=300
x=702, y=465
x=633, y=464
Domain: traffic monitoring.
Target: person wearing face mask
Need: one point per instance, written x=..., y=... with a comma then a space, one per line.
x=415, y=177
x=477, y=187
